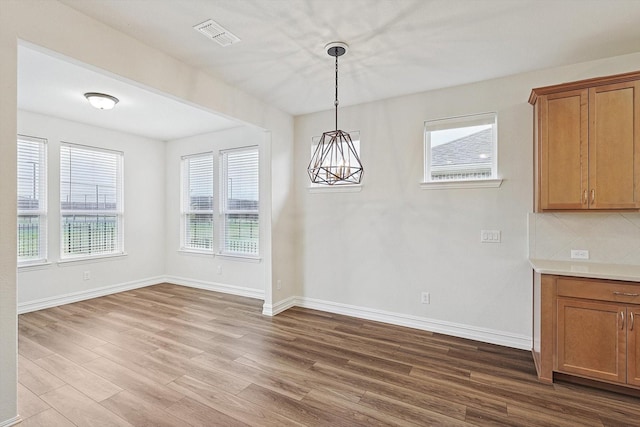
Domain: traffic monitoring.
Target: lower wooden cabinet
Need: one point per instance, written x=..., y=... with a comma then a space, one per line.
x=587, y=328
x=633, y=346
x=592, y=342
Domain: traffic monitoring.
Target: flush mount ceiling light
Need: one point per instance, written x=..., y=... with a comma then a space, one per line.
x=335, y=159
x=101, y=101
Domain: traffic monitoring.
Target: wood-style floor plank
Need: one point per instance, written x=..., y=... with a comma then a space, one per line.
x=48, y=418
x=35, y=378
x=169, y=355
x=80, y=409
x=30, y=404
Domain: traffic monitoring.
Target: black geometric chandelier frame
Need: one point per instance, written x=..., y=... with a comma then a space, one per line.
x=335, y=160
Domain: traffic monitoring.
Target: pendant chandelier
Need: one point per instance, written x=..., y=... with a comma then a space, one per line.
x=335, y=160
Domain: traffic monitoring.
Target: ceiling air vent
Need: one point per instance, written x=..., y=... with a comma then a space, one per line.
x=216, y=32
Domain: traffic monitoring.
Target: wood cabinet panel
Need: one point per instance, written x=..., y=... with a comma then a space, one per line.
x=591, y=339
x=613, y=142
x=633, y=345
x=564, y=145
x=598, y=290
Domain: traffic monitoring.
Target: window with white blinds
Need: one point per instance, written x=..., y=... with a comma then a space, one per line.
x=240, y=202
x=91, y=202
x=197, y=203
x=32, y=200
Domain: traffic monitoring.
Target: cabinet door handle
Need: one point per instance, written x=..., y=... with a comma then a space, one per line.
x=593, y=195
x=622, y=320
x=585, y=199
x=625, y=294
x=632, y=322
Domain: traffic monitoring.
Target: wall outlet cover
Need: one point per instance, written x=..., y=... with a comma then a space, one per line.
x=579, y=254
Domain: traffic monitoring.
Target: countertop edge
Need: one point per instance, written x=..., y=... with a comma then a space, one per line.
x=630, y=273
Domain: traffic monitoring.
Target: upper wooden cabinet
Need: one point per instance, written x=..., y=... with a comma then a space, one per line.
x=587, y=144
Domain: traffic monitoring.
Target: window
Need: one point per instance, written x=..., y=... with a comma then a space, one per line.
x=197, y=203
x=355, y=138
x=32, y=200
x=240, y=202
x=91, y=208
x=461, y=148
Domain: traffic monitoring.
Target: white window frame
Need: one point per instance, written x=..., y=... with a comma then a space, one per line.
x=225, y=209
x=39, y=183
x=117, y=212
x=460, y=122
x=186, y=208
x=341, y=188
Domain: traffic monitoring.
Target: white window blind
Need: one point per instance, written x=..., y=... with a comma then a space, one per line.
x=240, y=206
x=197, y=202
x=32, y=200
x=91, y=202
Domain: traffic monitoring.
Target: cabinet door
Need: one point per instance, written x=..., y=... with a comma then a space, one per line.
x=563, y=150
x=633, y=345
x=592, y=339
x=614, y=146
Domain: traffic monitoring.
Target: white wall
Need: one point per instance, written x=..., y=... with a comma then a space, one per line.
x=373, y=252
x=62, y=29
x=144, y=215
x=237, y=275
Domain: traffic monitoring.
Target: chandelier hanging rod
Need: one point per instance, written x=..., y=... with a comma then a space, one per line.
x=336, y=49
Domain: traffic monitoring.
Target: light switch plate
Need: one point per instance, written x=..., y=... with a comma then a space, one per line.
x=490, y=236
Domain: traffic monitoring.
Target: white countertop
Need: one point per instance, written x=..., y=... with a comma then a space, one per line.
x=587, y=269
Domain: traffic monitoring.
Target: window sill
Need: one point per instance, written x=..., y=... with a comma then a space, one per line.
x=190, y=252
x=233, y=257
x=96, y=258
x=34, y=265
x=446, y=185
x=345, y=188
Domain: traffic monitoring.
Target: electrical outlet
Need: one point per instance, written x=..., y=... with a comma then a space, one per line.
x=425, y=298
x=279, y=284
x=579, y=254
x=219, y=269
x=86, y=275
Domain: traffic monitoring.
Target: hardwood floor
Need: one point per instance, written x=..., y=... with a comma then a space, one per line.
x=168, y=355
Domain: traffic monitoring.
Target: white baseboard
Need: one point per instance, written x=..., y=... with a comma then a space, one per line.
x=279, y=307
x=216, y=287
x=57, y=300
x=432, y=325
x=422, y=323
x=11, y=421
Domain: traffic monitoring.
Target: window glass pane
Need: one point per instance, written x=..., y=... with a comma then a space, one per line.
x=32, y=199
x=199, y=231
x=29, y=232
x=242, y=233
x=197, y=202
x=90, y=201
x=89, y=234
x=463, y=148
x=241, y=205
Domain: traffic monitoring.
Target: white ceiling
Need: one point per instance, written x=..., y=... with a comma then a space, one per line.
x=396, y=46
x=55, y=86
